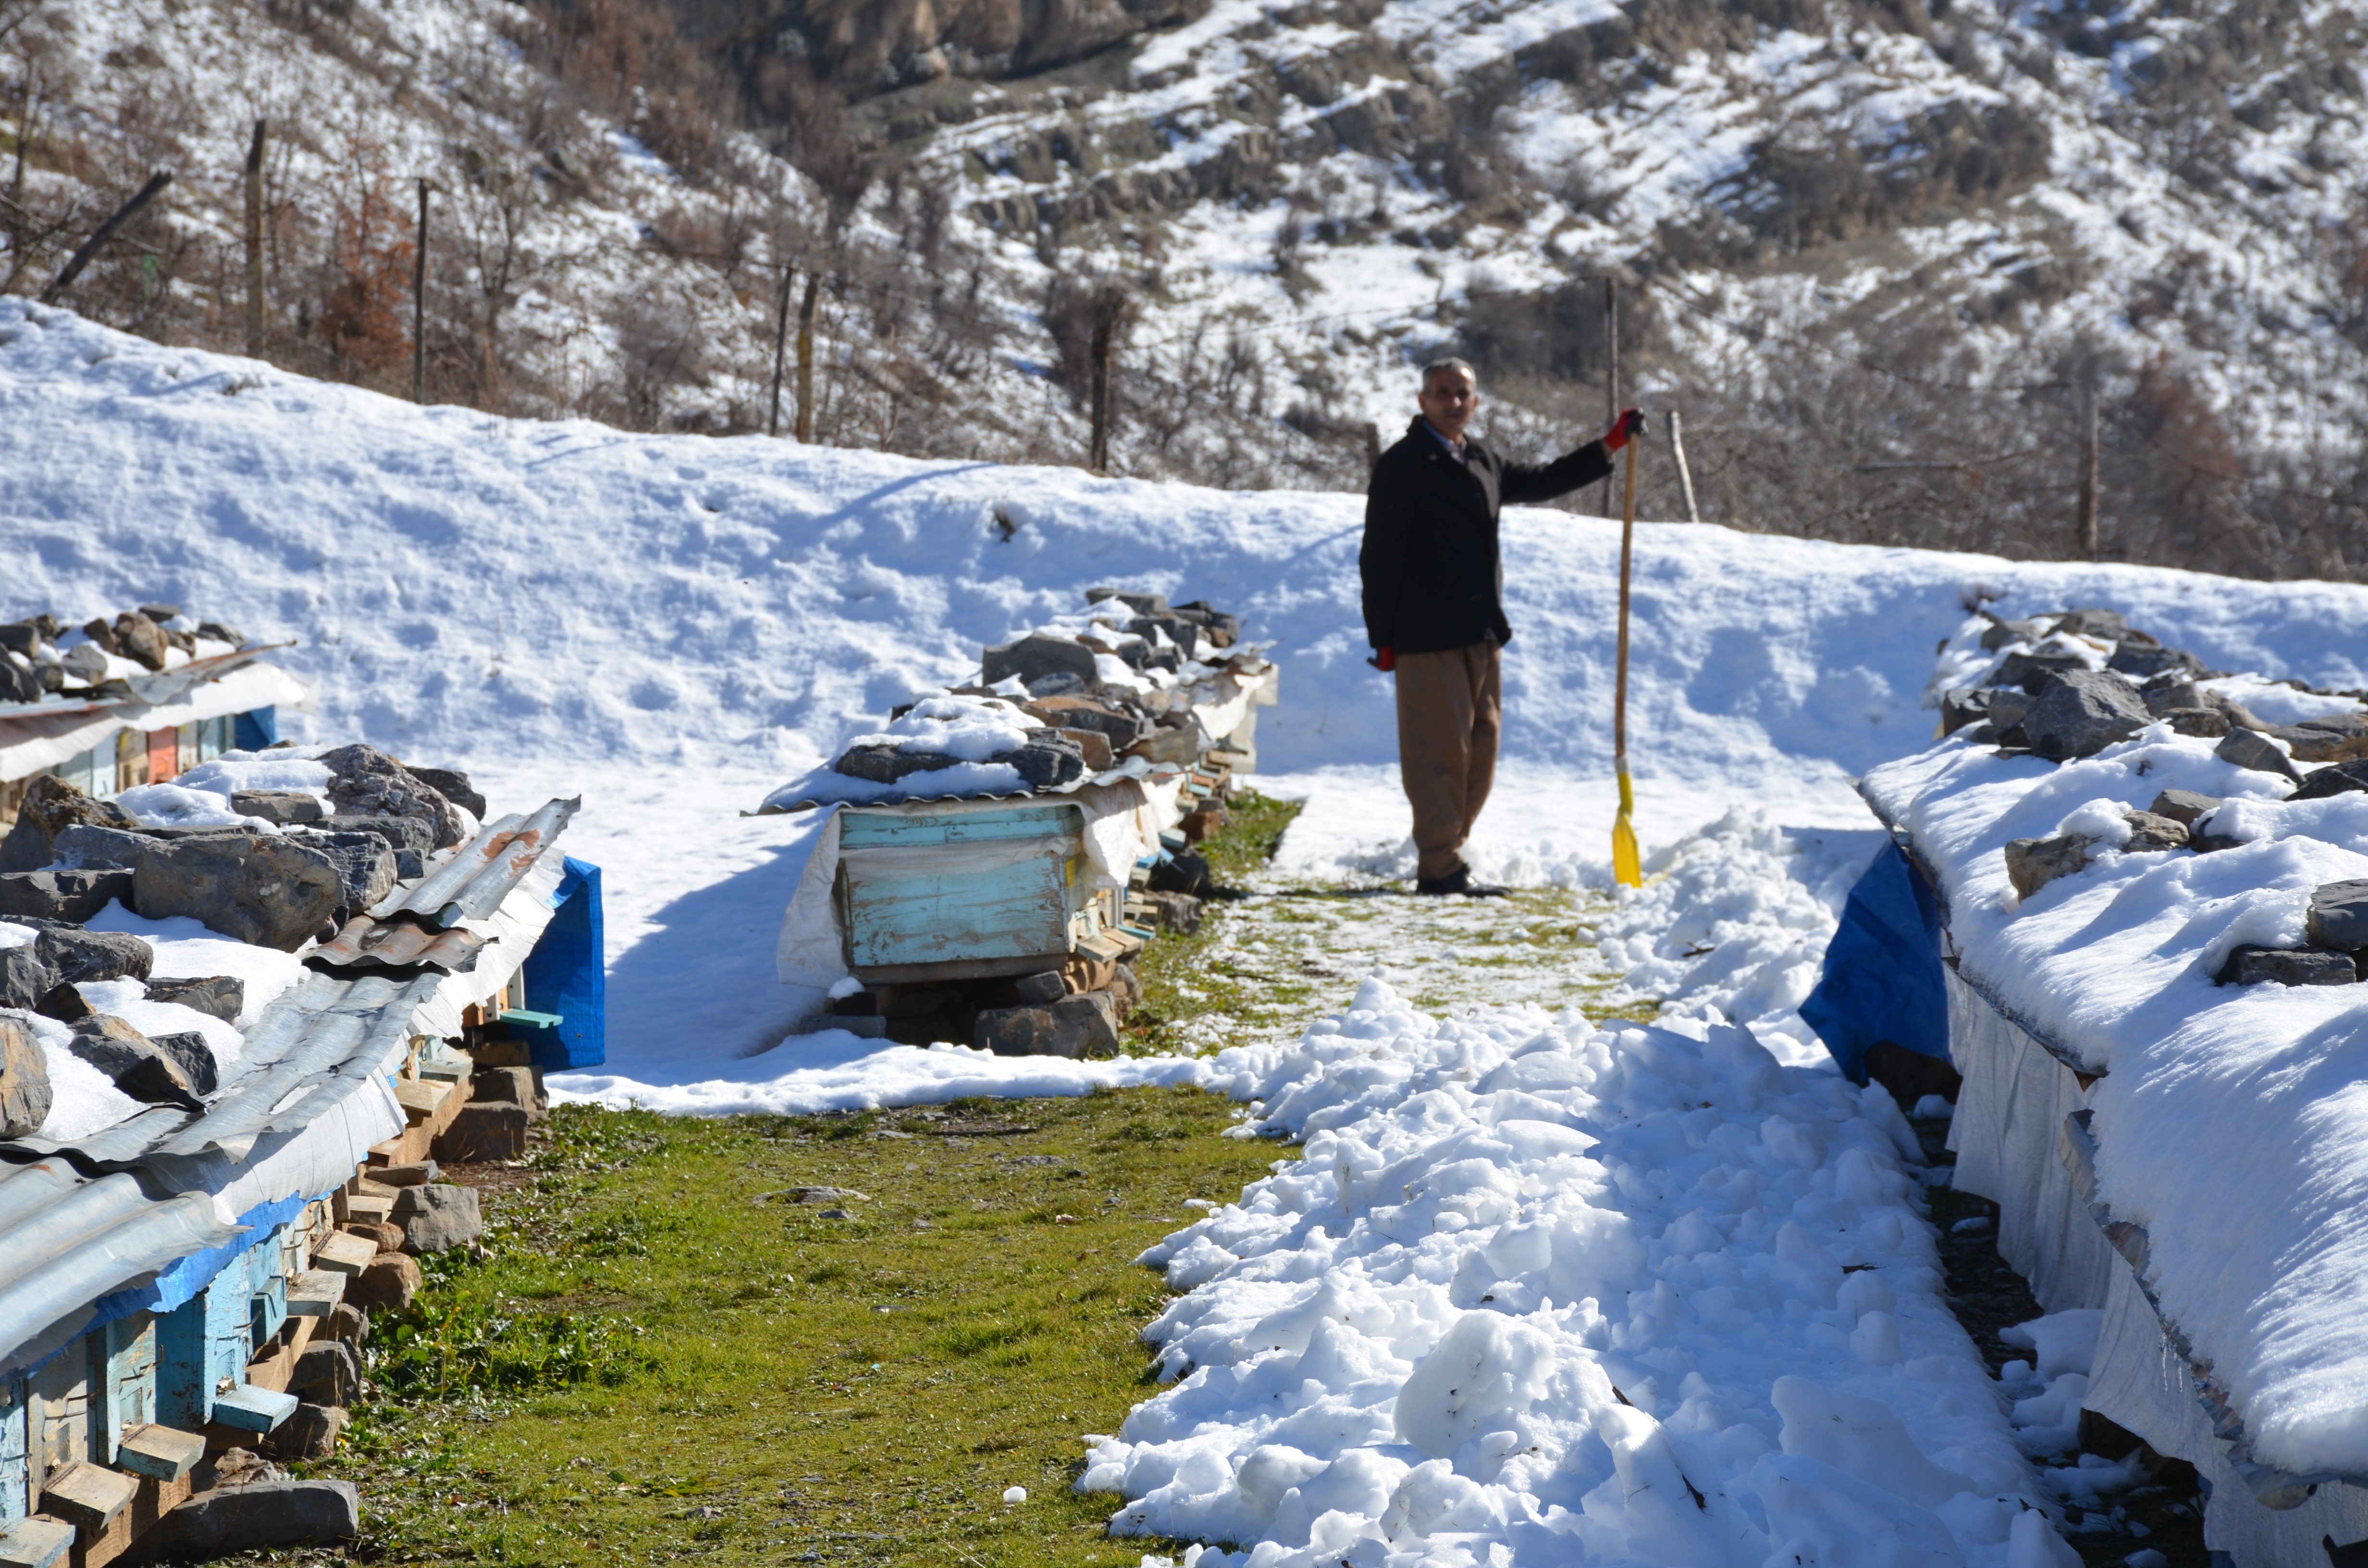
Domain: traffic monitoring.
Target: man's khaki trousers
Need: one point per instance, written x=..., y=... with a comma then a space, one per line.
x=1451, y=708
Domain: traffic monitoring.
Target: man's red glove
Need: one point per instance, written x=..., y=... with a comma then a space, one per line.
x=1384, y=659
x=1630, y=425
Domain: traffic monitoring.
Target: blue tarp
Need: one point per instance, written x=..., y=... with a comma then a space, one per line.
x=257, y=728
x=567, y=974
x=1882, y=978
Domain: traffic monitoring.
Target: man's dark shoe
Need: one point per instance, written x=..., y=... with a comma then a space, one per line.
x=1459, y=880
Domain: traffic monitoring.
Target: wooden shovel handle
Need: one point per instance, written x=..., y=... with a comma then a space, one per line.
x=1627, y=549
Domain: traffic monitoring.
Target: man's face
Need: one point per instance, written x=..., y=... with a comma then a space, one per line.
x=1449, y=400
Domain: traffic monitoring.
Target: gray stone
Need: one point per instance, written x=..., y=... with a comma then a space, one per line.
x=508, y=1085
x=195, y=1058
x=2080, y=712
x=285, y=808
x=1179, y=912
x=1092, y=745
x=2001, y=633
x=1186, y=872
x=2204, y=723
x=1075, y=1027
x=133, y=1062
x=2184, y=806
x=2257, y=753
x=66, y=895
x=279, y=1512
x=1040, y=990
x=1143, y=601
x=2286, y=966
x=2152, y=659
x=268, y=891
x=1126, y=992
x=882, y=763
x=2340, y=779
x=2150, y=832
x=1121, y=729
x=311, y=1433
x=23, y=978
x=81, y=956
x=161, y=613
x=65, y=1004
x=2239, y=717
x=411, y=838
x=2032, y=863
x=1181, y=630
x=2105, y=625
x=454, y=786
x=2027, y=672
x=85, y=847
x=1038, y=656
x=218, y=996
x=140, y=640
x=1049, y=760
x=390, y=1280
x=2162, y=695
x=440, y=1218
x=2338, y=916
x=20, y=680
x=481, y=1133
x=418, y=1173
x=24, y=1096
x=86, y=662
x=1221, y=627
x=349, y=1324
x=220, y=632
x=365, y=781
x=2006, y=707
x=2338, y=737
x=329, y=1372
x=51, y=806
x=364, y=861
x=1963, y=706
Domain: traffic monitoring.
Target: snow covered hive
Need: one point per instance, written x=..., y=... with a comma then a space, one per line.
x=116, y=704
x=193, y=1085
x=2161, y=1075
x=989, y=838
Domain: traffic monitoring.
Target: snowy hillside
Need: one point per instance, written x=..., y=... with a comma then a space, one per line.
x=1876, y=252
x=671, y=626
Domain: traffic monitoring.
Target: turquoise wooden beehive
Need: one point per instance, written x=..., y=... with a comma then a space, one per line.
x=931, y=891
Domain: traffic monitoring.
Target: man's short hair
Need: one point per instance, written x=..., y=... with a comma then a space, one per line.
x=1439, y=366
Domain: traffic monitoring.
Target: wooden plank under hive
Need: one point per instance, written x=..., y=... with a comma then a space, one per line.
x=931, y=893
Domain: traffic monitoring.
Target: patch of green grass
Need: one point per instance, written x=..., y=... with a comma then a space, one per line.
x=749, y=1382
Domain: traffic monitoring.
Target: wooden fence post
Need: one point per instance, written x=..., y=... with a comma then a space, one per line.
x=419, y=305
x=805, y=357
x=1685, y=474
x=255, y=244
x=780, y=341
x=2091, y=544
x=1611, y=380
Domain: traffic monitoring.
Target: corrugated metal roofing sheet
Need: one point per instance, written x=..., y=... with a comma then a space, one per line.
x=109, y=1210
x=1134, y=767
x=150, y=689
x=366, y=943
x=473, y=883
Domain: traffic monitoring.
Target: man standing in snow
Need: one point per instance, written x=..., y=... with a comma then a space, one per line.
x=1434, y=604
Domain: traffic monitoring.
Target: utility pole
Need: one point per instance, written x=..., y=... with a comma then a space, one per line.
x=1611, y=380
x=1685, y=474
x=1106, y=309
x=255, y=244
x=780, y=340
x=805, y=356
x=2091, y=545
x=419, y=304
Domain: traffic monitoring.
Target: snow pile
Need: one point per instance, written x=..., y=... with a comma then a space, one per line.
x=1628, y=1294
x=955, y=745
x=1732, y=924
x=2227, y=1118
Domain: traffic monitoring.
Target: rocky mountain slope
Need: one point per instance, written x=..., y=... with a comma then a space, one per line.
x=1878, y=253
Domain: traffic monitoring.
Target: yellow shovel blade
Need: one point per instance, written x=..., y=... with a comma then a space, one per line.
x=1627, y=866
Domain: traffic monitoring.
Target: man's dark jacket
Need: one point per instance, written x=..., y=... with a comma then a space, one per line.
x=1433, y=577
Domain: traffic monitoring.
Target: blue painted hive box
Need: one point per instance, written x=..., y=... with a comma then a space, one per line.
x=947, y=890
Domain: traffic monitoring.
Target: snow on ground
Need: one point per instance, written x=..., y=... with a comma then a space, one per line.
x=1540, y=1291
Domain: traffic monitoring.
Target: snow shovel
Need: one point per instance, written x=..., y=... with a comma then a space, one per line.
x=1627, y=866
